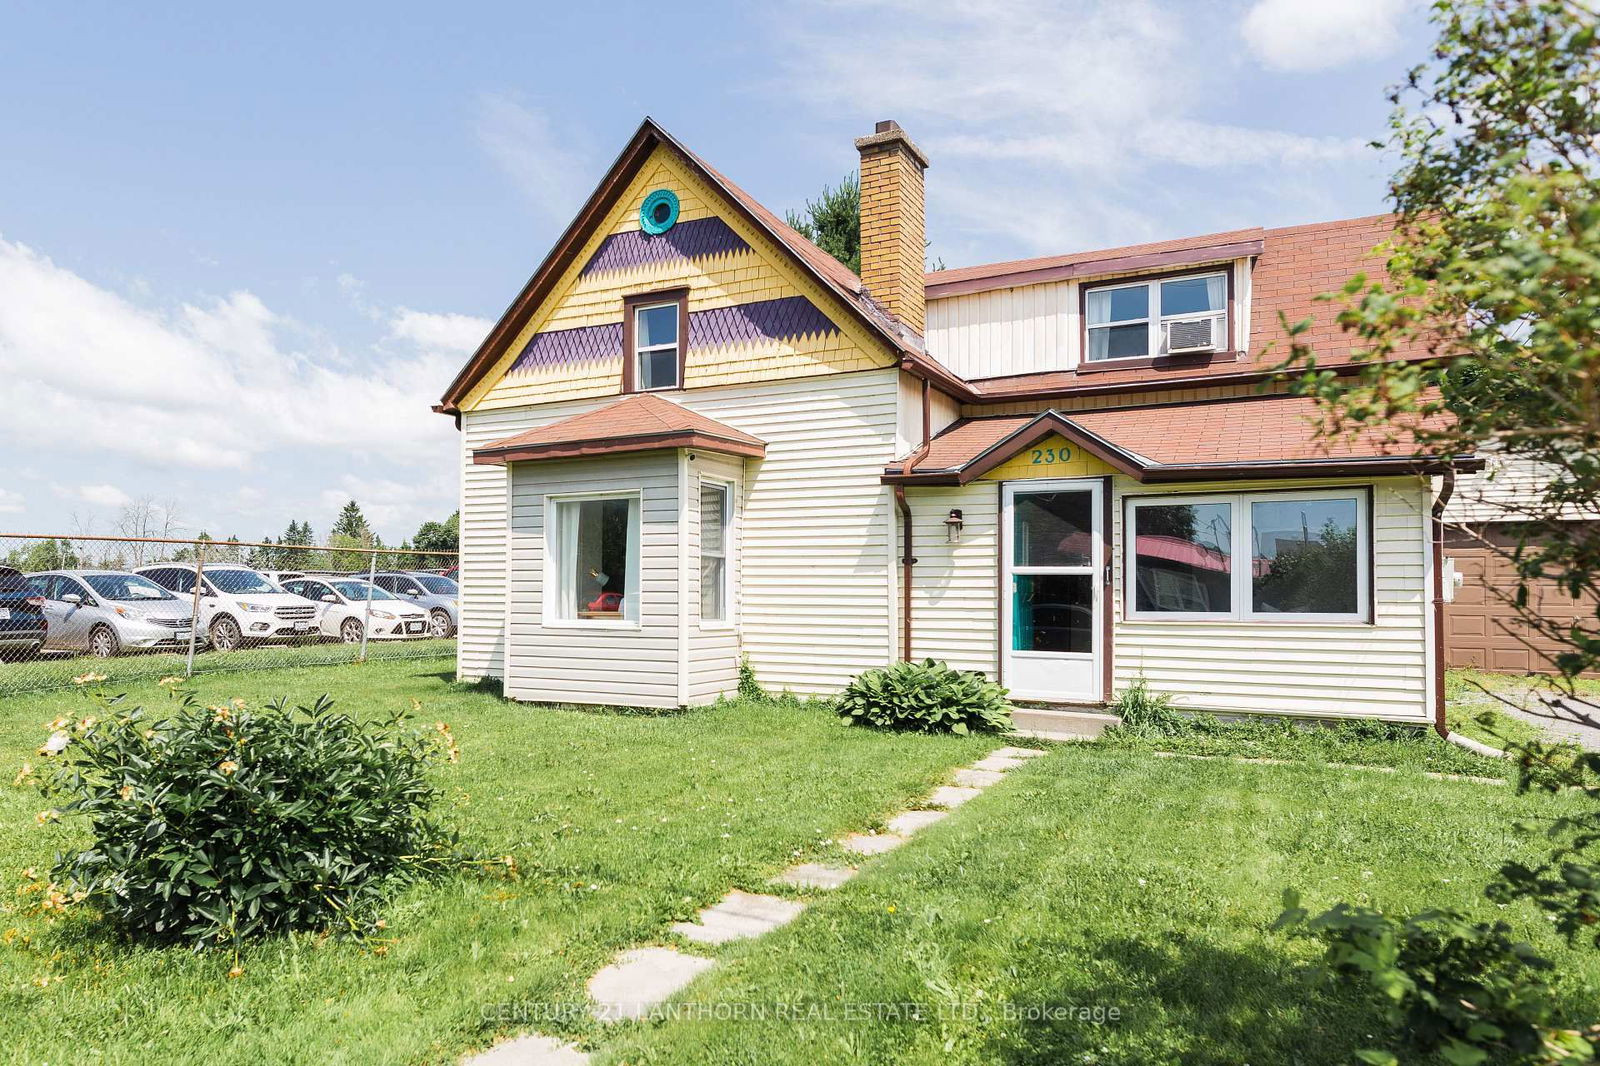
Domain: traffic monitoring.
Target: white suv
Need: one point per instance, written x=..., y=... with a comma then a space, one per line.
x=237, y=605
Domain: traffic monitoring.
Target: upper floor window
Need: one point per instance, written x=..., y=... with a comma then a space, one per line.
x=1155, y=317
x=657, y=346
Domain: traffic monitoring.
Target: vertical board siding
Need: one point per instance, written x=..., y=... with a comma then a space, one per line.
x=1003, y=332
x=568, y=662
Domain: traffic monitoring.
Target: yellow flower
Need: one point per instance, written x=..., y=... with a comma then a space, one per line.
x=381, y=924
x=237, y=971
x=168, y=682
x=227, y=766
x=222, y=713
x=125, y=791
x=24, y=773
x=31, y=874
x=891, y=908
x=46, y=817
x=381, y=949
x=86, y=725
x=238, y=703
x=88, y=679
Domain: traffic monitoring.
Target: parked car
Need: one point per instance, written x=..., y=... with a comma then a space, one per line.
x=23, y=625
x=104, y=612
x=237, y=605
x=344, y=609
x=438, y=594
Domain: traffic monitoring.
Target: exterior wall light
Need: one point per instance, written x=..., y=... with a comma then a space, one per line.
x=952, y=526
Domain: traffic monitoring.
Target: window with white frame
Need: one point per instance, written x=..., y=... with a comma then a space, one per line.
x=1285, y=556
x=655, y=346
x=715, y=518
x=595, y=559
x=1158, y=316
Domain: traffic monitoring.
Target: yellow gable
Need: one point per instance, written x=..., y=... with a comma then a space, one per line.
x=1054, y=456
x=754, y=315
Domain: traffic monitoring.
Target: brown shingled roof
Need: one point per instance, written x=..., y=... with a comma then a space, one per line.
x=638, y=423
x=1253, y=436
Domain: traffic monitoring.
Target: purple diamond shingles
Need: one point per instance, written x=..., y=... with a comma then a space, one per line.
x=698, y=238
x=781, y=319
x=569, y=347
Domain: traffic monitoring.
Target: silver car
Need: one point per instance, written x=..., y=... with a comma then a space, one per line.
x=440, y=595
x=104, y=612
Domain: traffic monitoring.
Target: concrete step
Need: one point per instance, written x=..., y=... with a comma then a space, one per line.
x=1060, y=724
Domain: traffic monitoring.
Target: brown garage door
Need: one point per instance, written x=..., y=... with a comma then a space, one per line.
x=1480, y=628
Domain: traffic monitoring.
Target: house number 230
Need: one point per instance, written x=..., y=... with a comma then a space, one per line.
x=1051, y=455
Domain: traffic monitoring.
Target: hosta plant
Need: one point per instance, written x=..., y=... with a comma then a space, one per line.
x=209, y=825
x=926, y=697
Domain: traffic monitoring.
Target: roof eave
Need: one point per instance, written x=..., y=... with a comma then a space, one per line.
x=1121, y=264
x=601, y=446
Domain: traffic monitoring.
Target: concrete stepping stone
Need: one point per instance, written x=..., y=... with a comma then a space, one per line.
x=871, y=843
x=640, y=980
x=815, y=875
x=1019, y=753
x=1001, y=763
x=977, y=778
x=908, y=822
x=530, y=1049
x=952, y=795
x=739, y=916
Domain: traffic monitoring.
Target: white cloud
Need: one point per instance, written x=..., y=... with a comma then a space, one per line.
x=539, y=159
x=1295, y=35
x=388, y=503
x=99, y=495
x=1095, y=114
x=11, y=502
x=431, y=331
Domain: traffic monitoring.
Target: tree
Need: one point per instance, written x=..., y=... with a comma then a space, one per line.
x=1493, y=271
x=147, y=519
x=351, y=524
x=832, y=222
x=437, y=537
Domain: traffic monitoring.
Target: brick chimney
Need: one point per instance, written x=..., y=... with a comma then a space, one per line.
x=893, y=222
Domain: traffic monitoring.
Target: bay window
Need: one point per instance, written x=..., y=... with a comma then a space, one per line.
x=1273, y=556
x=1180, y=315
x=594, y=559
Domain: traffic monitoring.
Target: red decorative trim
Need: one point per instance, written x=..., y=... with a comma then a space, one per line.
x=1093, y=267
x=643, y=442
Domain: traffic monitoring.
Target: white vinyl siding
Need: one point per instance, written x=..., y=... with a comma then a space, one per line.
x=815, y=581
x=1315, y=669
x=713, y=660
x=1322, y=669
x=572, y=660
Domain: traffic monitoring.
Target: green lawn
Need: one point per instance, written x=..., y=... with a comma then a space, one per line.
x=1097, y=877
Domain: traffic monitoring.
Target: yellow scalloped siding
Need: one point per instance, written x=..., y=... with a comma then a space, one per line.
x=1045, y=460
x=763, y=273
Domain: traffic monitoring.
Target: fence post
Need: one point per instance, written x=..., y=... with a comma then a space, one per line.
x=194, y=608
x=366, y=622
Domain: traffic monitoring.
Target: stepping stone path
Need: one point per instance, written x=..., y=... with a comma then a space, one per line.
x=642, y=978
x=531, y=1050
x=738, y=916
x=815, y=875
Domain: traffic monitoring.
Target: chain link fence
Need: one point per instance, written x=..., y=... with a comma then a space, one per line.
x=137, y=607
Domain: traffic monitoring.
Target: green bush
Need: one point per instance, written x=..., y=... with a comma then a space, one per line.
x=926, y=697
x=214, y=824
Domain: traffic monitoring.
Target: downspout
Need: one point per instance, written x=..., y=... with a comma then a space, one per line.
x=907, y=559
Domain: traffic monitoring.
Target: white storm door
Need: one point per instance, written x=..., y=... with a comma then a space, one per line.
x=1053, y=554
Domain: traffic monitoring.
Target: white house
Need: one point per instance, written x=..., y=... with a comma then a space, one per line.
x=695, y=437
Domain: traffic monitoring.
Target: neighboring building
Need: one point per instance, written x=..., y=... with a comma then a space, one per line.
x=694, y=437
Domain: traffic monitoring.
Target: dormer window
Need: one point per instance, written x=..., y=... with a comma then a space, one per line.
x=1151, y=317
x=654, y=325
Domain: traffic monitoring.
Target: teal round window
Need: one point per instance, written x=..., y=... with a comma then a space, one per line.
x=659, y=211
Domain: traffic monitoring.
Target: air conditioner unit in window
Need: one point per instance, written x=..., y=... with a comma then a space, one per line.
x=1193, y=335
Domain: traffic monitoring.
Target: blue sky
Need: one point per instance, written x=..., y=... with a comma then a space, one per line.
x=243, y=249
